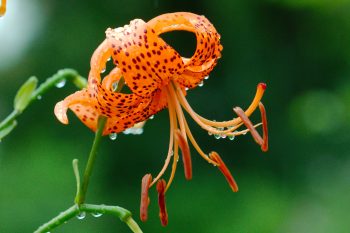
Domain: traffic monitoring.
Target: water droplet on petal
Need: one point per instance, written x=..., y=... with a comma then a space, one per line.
x=186, y=88
x=113, y=136
x=103, y=70
x=81, y=215
x=210, y=133
x=206, y=77
x=61, y=83
x=109, y=59
x=133, y=130
x=151, y=117
x=96, y=214
x=217, y=136
x=231, y=137
x=115, y=86
x=201, y=84
x=223, y=135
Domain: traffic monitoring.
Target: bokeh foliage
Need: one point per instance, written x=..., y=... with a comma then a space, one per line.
x=301, y=49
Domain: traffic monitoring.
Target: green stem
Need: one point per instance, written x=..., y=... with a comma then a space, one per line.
x=64, y=74
x=80, y=198
x=10, y=118
x=123, y=214
x=61, y=75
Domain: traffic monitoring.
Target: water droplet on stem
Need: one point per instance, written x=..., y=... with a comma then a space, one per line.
x=81, y=215
x=61, y=83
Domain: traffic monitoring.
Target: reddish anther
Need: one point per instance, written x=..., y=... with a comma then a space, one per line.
x=146, y=181
x=265, y=145
x=249, y=125
x=186, y=154
x=163, y=215
x=224, y=170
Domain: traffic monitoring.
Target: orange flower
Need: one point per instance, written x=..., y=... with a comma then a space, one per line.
x=3, y=7
x=158, y=78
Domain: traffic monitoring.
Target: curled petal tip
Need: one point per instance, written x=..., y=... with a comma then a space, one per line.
x=61, y=112
x=262, y=85
x=146, y=181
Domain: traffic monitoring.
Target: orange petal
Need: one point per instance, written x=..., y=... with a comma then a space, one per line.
x=146, y=181
x=163, y=215
x=186, y=154
x=208, y=48
x=224, y=170
x=79, y=97
x=265, y=145
x=146, y=61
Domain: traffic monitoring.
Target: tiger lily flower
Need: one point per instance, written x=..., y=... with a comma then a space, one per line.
x=159, y=78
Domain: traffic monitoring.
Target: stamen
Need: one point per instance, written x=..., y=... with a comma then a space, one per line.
x=196, y=146
x=224, y=170
x=145, y=184
x=163, y=215
x=186, y=155
x=172, y=116
x=174, y=165
x=265, y=145
x=258, y=95
x=249, y=125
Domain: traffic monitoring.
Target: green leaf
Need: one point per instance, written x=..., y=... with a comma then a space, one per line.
x=7, y=129
x=24, y=93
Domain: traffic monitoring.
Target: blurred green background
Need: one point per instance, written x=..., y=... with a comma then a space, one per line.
x=300, y=48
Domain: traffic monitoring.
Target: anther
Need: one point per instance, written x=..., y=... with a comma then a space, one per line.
x=163, y=215
x=224, y=170
x=265, y=145
x=186, y=154
x=249, y=125
x=145, y=184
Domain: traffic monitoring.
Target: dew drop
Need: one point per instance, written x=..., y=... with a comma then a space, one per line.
x=81, y=215
x=223, y=135
x=113, y=136
x=206, y=77
x=134, y=131
x=103, y=70
x=115, y=86
x=201, y=84
x=109, y=59
x=217, y=136
x=39, y=97
x=96, y=214
x=151, y=117
x=231, y=137
x=210, y=133
x=186, y=88
x=61, y=83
